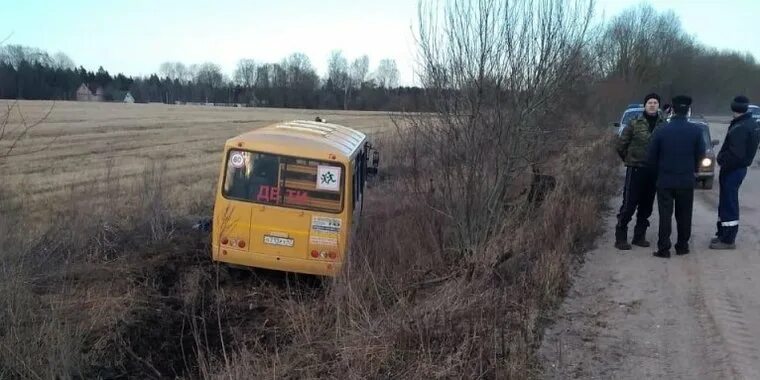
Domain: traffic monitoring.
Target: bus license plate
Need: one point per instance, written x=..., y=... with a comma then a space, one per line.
x=274, y=240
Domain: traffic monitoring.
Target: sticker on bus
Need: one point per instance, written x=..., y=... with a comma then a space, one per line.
x=321, y=240
x=237, y=160
x=328, y=178
x=325, y=224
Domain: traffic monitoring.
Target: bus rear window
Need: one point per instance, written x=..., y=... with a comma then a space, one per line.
x=284, y=181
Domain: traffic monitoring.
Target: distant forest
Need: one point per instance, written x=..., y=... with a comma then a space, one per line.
x=30, y=73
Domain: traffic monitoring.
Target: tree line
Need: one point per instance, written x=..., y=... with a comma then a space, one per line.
x=638, y=50
x=30, y=73
x=643, y=50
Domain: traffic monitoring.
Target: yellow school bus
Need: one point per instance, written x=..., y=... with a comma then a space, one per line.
x=288, y=195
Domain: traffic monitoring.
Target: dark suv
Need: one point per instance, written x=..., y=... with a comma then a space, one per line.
x=706, y=172
x=755, y=111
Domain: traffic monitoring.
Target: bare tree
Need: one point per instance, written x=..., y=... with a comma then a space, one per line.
x=263, y=76
x=210, y=74
x=15, y=127
x=299, y=69
x=15, y=54
x=166, y=70
x=302, y=79
x=175, y=71
x=359, y=70
x=639, y=42
x=338, y=75
x=387, y=74
x=62, y=61
x=500, y=76
x=182, y=73
x=245, y=73
x=337, y=69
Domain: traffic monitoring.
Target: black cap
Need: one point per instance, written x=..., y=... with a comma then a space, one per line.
x=681, y=104
x=652, y=96
x=740, y=104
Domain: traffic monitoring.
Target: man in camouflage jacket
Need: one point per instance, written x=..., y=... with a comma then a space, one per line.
x=640, y=178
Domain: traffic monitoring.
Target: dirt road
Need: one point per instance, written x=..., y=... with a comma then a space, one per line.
x=633, y=316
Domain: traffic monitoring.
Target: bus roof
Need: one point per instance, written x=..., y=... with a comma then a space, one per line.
x=303, y=136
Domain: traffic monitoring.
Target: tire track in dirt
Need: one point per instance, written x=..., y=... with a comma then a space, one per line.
x=738, y=336
x=713, y=343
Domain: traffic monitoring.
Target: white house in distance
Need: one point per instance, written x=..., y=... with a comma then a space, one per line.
x=85, y=95
x=123, y=97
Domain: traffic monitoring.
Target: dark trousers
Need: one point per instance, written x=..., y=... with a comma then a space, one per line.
x=728, y=204
x=683, y=200
x=638, y=197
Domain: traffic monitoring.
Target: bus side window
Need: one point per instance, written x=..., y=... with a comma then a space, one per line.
x=355, y=195
x=363, y=171
x=360, y=166
x=358, y=178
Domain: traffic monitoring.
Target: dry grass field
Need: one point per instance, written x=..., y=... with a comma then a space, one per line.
x=102, y=276
x=78, y=142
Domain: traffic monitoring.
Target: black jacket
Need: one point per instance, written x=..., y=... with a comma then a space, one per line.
x=741, y=143
x=676, y=151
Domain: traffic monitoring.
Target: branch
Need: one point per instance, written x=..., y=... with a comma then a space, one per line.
x=6, y=38
x=25, y=128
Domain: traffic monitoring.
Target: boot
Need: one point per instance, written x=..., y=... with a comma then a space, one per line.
x=639, y=234
x=663, y=253
x=640, y=241
x=621, y=239
x=719, y=245
x=718, y=234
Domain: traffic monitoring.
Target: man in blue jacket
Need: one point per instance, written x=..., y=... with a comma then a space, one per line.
x=676, y=150
x=736, y=154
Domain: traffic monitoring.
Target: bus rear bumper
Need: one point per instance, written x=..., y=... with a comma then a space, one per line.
x=279, y=263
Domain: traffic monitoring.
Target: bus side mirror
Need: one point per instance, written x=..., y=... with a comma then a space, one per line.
x=715, y=142
x=616, y=124
x=375, y=163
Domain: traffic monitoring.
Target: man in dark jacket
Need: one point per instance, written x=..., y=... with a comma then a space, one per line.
x=639, y=189
x=736, y=154
x=676, y=150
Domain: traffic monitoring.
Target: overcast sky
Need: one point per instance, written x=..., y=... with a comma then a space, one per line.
x=135, y=37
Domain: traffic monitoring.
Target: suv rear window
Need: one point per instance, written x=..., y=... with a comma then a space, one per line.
x=284, y=181
x=628, y=116
x=706, y=135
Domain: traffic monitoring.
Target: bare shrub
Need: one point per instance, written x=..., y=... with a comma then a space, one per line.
x=68, y=283
x=503, y=78
x=156, y=213
x=15, y=127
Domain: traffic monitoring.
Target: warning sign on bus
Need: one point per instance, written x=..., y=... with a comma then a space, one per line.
x=328, y=178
